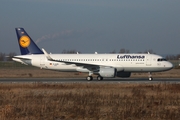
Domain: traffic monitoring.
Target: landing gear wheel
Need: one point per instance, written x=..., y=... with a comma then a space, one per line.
x=99, y=78
x=89, y=78
x=150, y=78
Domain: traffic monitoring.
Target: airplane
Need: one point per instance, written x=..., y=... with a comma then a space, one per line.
x=102, y=65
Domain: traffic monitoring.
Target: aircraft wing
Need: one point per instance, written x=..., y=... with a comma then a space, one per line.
x=91, y=67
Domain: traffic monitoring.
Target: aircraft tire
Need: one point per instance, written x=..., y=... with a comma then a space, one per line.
x=99, y=78
x=89, y=78
x=150, y=78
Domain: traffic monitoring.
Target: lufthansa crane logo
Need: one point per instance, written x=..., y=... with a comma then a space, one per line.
x=24, y=41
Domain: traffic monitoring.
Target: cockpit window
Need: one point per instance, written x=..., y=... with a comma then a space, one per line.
x=161, y=59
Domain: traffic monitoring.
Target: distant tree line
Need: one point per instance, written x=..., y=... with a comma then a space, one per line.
x=8, y=57
x=173, y=57
x=70, y=52
x=168, y=57
x=128, y=51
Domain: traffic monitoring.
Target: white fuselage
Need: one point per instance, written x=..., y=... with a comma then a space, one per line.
x=122, y=62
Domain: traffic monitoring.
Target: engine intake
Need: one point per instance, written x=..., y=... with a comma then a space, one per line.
x=107, y=72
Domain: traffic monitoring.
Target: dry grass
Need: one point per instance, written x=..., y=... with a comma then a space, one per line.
x=89, y=101
x=37, y=73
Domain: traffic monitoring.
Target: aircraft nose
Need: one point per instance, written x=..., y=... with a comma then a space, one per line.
x=169, y=66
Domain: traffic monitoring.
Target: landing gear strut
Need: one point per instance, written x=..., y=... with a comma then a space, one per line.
x=89, y=78
x=150, y=76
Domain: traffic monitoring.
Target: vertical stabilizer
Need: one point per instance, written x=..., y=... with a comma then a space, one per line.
x=26, y=44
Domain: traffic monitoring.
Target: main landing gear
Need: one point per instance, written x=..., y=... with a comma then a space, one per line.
x=89, y=78
x=150, y=76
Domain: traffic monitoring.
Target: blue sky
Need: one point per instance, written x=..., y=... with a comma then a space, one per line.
x=94, y=25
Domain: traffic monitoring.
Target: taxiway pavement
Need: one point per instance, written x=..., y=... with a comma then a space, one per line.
x=83, y=80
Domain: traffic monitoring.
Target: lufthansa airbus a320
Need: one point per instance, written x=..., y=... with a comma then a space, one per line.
x=102, y=65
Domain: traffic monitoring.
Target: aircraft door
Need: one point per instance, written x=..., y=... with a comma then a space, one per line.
x=148, y=60
x=42, y=62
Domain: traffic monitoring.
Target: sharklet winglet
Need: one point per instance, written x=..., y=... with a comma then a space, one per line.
x=47, y=55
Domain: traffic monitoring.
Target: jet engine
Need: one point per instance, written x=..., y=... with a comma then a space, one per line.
x=107, y=72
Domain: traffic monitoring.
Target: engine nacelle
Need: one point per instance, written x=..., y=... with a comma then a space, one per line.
x=123, y=74
x=107, y=72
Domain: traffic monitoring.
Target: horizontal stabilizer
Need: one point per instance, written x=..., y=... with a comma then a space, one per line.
x=21, y=58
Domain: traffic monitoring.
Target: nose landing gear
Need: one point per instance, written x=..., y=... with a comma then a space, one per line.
x=150, y=76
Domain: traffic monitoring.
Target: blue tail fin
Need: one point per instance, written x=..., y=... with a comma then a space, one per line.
x=26, y=44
